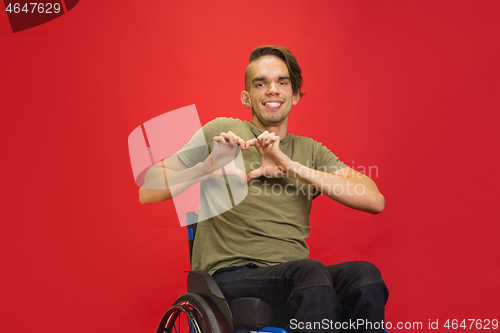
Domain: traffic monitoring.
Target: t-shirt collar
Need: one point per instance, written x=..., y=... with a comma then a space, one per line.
x=256, y=131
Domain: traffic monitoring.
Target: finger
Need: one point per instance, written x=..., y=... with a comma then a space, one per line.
x=234, y=136
x=241, y=176
x=229, y=171
x=244, y=145
x=251, y=143
x=241, y=142
x=275, y=139
x=219, y=139
x=266, y=139
x=262, y=141
x=264, y=134
x=229, y=137
x=254, y=174
x=267, y=142
x=236, y=139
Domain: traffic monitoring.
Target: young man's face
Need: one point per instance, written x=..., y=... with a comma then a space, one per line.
x=270, y=93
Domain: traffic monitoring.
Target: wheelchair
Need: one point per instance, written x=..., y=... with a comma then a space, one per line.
x=203, y=309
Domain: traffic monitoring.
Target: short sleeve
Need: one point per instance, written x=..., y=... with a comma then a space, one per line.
x=197, y=149
x=325, y=160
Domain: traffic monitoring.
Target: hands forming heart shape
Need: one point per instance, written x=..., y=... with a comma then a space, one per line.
x=274, y=161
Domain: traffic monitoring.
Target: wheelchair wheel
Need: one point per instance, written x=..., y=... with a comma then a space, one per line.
x=189, y=313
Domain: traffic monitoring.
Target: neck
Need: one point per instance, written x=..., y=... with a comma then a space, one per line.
x=278, y=129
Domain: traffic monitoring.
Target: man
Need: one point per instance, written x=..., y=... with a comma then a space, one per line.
x=258, y=248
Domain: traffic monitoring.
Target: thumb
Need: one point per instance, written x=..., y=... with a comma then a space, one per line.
x=241, y=176
x=232, y=170
x=254, y=174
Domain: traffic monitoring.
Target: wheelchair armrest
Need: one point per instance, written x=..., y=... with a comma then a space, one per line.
x=204, y=285
x=201, y=283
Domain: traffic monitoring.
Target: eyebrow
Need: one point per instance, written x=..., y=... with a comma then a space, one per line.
x=262, y=78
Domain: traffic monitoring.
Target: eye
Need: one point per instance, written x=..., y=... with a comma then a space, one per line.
x=259, y=85
x=283, y=83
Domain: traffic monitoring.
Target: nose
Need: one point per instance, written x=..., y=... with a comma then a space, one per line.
x=272, y=89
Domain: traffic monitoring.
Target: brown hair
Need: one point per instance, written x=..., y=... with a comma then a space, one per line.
x=284, y=54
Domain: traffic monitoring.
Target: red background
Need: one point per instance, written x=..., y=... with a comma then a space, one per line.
x=411, y=87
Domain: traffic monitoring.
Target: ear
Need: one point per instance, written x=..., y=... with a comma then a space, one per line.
x=295, y=99
x=245, y=99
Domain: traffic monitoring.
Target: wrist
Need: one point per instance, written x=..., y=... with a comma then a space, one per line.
x=292, y=169
x=205, y=168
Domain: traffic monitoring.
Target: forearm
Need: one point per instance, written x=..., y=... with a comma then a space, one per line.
x=163, y=184
x=345, y=186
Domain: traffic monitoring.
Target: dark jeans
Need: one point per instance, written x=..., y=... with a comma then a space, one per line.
x=315, y=297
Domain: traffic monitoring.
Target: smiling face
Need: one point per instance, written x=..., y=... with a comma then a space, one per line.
x=270, y=93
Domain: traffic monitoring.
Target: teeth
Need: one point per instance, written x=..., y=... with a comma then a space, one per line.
x=273, y=104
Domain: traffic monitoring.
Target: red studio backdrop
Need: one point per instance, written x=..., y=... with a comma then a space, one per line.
x=405, y=91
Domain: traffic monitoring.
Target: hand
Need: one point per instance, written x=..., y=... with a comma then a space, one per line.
x=224, y=149
x=274, y=161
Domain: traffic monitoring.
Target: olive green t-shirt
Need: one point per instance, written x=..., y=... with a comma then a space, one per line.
x=271, y=223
